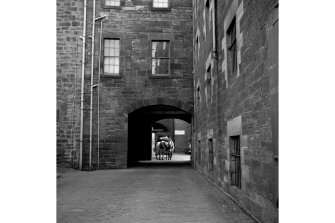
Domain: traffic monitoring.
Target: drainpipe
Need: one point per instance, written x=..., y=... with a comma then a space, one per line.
x=92, y=86
x=214, y=29
x=83, y=37
x=99, y=73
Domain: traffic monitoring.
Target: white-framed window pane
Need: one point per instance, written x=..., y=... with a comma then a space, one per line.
x=160, y=53
x=111, y=56
x=106, y=68
x=116, y=69
x=161, y=3
x=112, y=2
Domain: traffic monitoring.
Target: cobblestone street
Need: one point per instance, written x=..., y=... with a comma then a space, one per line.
x=144, y=194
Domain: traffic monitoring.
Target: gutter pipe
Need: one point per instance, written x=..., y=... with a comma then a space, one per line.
x=99, y=73
x=92, y=85
x=83, y=37
x=214, y=29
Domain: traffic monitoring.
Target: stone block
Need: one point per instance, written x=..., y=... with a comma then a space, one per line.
x=234, y=126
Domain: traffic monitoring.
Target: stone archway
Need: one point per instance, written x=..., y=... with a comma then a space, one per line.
x=141, y=115
x=159, y=101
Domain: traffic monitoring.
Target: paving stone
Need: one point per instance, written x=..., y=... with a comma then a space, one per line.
x=145, y=194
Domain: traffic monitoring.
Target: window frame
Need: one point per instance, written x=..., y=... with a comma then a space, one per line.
x=198, y=99
x=196, y=49
x=169, y=59
x=209, y=83
x=232, y=46
x=168, y=8
x=103, y=58
x=103, y=5
x=235, y=153
x=210, y=155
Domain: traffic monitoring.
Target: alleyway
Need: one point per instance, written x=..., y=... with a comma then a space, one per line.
x=143, y=194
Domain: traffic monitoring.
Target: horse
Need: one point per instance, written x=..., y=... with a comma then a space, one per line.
x=169, y=149
x=160, y=149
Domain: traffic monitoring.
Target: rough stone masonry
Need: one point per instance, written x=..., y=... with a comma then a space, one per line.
x=223, y=59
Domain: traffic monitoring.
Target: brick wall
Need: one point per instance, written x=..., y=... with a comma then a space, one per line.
x=243, y=103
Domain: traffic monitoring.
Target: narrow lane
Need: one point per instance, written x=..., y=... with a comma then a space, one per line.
x=145, y=194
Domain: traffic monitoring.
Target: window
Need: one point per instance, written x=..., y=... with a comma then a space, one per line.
x=232, y=50
x=112, y=2
x=198, y=99
x=210, y=155
x=199, y=152
x=160, y=3
x=208, y=13
x=209, y=84
x=196, y=49
x=111, y=56
x=235, y=161
x=160, y=58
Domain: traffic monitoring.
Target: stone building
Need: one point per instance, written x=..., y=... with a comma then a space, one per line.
x=236, y=100
x=142, y=73
x=210, y=63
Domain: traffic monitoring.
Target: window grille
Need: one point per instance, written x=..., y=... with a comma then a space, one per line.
x=235, y=161
x=111, y=56
x=231, y=34
x=160, y=3
x=112, y=2
x=160, y=58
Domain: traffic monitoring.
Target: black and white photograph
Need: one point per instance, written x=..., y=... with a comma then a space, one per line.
x=168, y=111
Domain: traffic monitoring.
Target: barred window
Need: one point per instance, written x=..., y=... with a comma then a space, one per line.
x=235, y=161
x=160, y=3
x=160, y=57
x=209, y=84
x=210, y=155
x=111, y=56
x=198, y=101
x=112, y=2
x=232, y=50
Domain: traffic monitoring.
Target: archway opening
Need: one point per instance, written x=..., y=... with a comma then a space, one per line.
x=147, y=123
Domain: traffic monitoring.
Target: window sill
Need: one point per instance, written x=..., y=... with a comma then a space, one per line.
x=160, y=76
x=160, y=9
x=111, y=76
x=112, y=7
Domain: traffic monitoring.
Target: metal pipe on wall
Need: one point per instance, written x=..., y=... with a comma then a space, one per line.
x=99, y=73
x=83, y=37
x=91, y=86
x=214, y=29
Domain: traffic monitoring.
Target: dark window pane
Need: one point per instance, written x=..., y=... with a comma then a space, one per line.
x=160, y=66
x=160, y=49
x=234, y=57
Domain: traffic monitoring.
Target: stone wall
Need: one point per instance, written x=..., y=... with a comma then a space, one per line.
x=182, y=141
x=243, y=103
x=69, y=50
x=135, y=23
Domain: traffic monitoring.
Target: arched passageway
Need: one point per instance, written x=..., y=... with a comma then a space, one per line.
x=140, y=126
